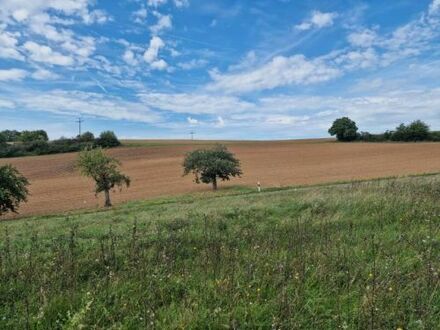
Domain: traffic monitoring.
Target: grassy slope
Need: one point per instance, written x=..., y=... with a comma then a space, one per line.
x=362, y=255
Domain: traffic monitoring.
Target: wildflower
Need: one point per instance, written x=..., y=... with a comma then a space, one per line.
x=390, y=289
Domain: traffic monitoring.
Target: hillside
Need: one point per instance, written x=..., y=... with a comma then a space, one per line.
x=155, y=168
x=350, y=256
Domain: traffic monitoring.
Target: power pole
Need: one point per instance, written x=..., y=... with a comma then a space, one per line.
x=192, y=134
x=79, y=121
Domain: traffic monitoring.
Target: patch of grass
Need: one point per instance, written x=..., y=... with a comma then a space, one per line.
x=356, y=255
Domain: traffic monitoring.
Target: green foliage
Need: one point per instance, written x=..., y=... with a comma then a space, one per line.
x=87, y=137
x=108, y=139
x=42, y=147
x=345, y=129
x=104, y=170
x=358, y=256
x=209, y=165
x=13, y=189
x=11, y=136
x=415, y=131
x=32, y=136
x=2, y=139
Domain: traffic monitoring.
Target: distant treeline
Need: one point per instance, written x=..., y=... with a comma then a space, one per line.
x=346, y=130
x=33, y=143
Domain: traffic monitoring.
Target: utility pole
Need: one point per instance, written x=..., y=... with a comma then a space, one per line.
x=192, y=134
x=79, y=121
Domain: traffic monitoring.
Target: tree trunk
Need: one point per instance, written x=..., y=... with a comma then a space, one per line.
x=214, y=184
x=108, y=203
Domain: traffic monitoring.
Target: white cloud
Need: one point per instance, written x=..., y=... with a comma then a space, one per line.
x=164, y=22
x=193, y=64
x=365, y=38
x=152, y=53
x=43, y=74
x=140, y=15
x=79, y=102
x=22, y=10
x=220, y=122
x=317, y=20
x=159, y=65
x=193, y=103
x=156, y=3
x=12, y=75
x=45, y=54
x=177, y=3
x=358, y=59
x=129, y=57
x=434, y=7
x=192, y=121
x=9, y=46
x=280, y=71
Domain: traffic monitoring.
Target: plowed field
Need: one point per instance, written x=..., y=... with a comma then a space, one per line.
x=155, y=169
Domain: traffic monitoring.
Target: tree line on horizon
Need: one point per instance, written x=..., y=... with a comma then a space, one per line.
x=346, y=130
x=34, y=143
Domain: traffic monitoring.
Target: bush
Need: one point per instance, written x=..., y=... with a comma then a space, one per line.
x=108, y=139
x=435, y=136
x=13, y=189
x=87, y=137
x=31, y=136
x=345, y=129
x=11, y=136
x=416, y=131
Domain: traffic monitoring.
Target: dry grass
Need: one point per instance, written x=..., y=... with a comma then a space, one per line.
x=155, y=168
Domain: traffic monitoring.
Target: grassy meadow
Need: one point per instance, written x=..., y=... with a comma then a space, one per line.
x=362, y=255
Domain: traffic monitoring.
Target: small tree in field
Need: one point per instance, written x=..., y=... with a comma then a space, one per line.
x=13, y=189
x=104, y=170
x=345, y=129
x=209, y=165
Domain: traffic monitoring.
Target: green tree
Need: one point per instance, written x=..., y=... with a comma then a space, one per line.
x=11, y=136
x=104, y=170
x=13, y=189
x=2, y=139
x=108, y=139
x=31, y=136
x=87, y=137
x=345, y=129
x=209, y=165
x=415, y=131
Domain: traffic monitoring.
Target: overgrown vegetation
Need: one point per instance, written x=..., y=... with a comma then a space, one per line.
x=346, y=130
x=34, y=143
x=355, y=256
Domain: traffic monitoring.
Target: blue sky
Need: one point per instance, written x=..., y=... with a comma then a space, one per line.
x=277, y=69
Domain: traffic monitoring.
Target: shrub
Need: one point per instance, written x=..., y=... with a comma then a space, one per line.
x=87, y=137
x=108, y=139
x=13, y=189
x=30, y=136
x=345, y=129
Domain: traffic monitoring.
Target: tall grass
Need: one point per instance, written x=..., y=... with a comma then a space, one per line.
x=359, y=256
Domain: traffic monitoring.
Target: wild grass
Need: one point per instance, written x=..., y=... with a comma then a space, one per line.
x=363, y=255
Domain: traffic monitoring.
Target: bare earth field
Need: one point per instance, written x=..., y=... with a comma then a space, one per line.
x=155, y=169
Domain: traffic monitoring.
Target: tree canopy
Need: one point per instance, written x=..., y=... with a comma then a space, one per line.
x=13, y=189
x=345, y=129
x=104, y=170
x=209, y=165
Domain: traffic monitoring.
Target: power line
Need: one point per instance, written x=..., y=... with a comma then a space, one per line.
x=192, y=133
x=79, y=121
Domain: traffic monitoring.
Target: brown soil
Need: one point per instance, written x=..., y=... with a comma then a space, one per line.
x=156, y=170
